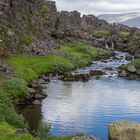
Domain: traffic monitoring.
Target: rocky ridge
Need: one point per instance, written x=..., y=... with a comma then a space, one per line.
x=35, y=27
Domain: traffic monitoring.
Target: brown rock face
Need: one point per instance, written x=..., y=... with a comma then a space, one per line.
x=134, y=44
x=124, y=130
x=24, y=23
x=35, y=27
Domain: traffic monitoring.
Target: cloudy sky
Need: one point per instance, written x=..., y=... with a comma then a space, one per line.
x=97, y=7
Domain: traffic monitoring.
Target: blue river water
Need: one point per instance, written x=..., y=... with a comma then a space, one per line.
x=89, y=107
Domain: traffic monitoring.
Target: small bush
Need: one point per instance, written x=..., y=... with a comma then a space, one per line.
x=17, y=88
x=7, y=111
x=44, y=9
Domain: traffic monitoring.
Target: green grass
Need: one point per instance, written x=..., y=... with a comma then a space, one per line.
x=7, y=132
x=101, y=33
x=30, y=67
x=124, y=34
x=70, y=56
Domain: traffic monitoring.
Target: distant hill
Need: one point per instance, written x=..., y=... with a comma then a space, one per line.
x=130, y=19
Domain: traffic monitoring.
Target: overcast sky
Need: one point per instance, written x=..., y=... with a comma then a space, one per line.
x=97, y=7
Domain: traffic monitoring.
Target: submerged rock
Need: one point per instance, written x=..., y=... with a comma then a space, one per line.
x=124, y=130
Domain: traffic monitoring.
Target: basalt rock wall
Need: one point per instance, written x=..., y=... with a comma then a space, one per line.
x=35, y=27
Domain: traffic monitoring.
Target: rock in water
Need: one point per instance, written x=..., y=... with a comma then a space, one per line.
x=124, y=130
x=36, y=102
x=123, y=73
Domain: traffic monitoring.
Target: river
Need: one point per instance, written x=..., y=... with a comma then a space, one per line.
x=88, y=107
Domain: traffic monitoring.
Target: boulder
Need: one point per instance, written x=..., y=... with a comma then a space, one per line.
x=36, y=102
x=124, y=130
x=31, y=91
x=39, y=96
x=137, y=54
x=128, y=57
x=131, y=69
x=123, y=73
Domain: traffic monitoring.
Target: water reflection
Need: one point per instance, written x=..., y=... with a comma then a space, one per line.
x=33, y=116
x=90, y=107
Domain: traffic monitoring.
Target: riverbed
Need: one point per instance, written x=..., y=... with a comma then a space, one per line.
x=88, y=107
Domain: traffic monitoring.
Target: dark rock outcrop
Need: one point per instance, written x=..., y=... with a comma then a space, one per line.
x=35, y=27
x=24, y=28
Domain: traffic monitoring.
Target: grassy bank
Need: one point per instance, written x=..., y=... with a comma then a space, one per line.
x=68, y=57
x=8, y=132
x=26, y=68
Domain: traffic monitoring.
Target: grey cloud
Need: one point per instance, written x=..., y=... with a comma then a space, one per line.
x=99, y=6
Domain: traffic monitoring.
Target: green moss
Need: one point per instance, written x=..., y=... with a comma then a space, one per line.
x=101, y=33
x=44, y=9
x=124, y=34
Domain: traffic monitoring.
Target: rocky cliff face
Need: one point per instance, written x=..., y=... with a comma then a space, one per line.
x=35, y=27
x=27, y=26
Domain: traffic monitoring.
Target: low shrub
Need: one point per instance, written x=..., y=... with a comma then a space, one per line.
x=7, y=111
x=16, y=87
x=44, y=131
